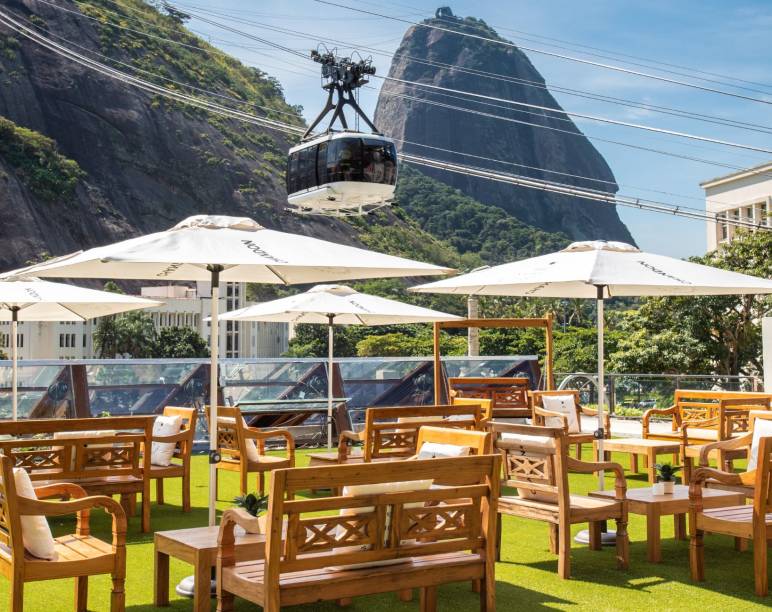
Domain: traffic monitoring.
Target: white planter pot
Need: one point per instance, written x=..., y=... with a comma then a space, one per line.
x=658, y=488
x=668, y=487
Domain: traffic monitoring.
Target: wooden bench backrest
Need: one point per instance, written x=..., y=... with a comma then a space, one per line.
x=386, y=437
x=80, y=457
x=537, y=468
x=324, y=532
x=230, y=432
x=508, y=395
x=536, y=401
x=183, y=449
x=724, y=410
x=480, y=442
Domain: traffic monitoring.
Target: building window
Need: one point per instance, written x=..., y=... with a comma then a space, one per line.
x=723, y=227
x=764, y=214
x=61, y=340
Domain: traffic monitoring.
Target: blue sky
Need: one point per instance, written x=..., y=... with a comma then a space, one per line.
x=728, y=38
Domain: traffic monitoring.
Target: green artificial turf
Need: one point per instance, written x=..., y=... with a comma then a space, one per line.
x=526, y=578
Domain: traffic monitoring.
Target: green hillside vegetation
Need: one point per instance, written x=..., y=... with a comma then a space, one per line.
x=36, y=161
x=479, y=231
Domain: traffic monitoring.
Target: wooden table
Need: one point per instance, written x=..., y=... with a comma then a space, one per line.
x=641, y=446
x=197, y=546
x=653, y=507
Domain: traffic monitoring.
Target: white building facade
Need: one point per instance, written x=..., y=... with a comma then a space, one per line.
x=182, y=307
x=741, y=196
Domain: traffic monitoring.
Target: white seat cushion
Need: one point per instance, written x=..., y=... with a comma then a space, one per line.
x=35, y=531
x=563, y=404
x=762, y=428
x=433, y=450
x=527, y=442
x=162, y=452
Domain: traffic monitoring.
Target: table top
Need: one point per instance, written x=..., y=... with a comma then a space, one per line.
x=678, y=501
x=625, y=443
x=204, y=538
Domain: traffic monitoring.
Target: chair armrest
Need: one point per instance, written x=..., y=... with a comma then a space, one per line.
x=730, y=444
x=253, y=433
x=81, y=507
x=701, y=474
x=590, y=467
x=183, y=436
x=606, y=419
x=550, y=414
x=225, y=536
x=344, y=438
x=652, y=411
x=68, y=490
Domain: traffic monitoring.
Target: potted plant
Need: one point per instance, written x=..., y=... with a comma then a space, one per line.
x=256, y=505
x=665, y=479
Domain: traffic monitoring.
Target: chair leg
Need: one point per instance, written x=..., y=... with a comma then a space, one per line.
x=634, y=463
x=344, y=602
x=405, y=595
x=81, y=593
x=740, y=544
x=623, y=544
x=554, y=537
x=760, y=562
x=564, y=551
x=579, y=452
x=595, y=542
x=697, y=555
x=498, y=538
x=428, y=599
x=17, y=595
x=186, y=491
x=118, y=595
x=159, y=491
x=244, y=484
x=224, y=601
x=261, y=483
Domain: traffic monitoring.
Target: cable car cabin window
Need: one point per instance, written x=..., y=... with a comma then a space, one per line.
x=379, y=162
x=292, y=172
x=344, y=160
x=306, y=168
x=321, y=164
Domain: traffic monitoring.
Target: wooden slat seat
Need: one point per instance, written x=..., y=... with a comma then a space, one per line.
x=581, y=506
x=328, y=582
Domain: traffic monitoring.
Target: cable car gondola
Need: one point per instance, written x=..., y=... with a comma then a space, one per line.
x=345, y=172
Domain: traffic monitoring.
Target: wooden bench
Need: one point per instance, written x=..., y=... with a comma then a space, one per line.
x=183, y=450
x=536, y=463
x=409, y=539
x=78, y=555
x=242, y=448
x=392, y=432
x=542, y=416
x=700, y=417
x=748, y=522
x=73, y=450
x=509, y=396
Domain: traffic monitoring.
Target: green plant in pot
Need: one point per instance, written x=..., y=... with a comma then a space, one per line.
x=665, y=478
x=256, y=505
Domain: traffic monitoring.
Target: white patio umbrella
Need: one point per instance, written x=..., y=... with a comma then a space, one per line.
x=600, y=270
x=214, y=248
x=336, y=304
x=32, y=299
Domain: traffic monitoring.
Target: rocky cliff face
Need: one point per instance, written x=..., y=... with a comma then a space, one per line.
x=431, y=56
x=146, y=163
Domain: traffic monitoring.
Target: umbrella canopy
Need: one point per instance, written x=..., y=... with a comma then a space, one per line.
x=331, y=304
x=600, y=270
x=347, y=306
x=231, y=249
x=32, y=299
x=619, y=268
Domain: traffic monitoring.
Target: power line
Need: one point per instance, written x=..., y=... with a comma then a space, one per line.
x=552, y=54
x=559, y=188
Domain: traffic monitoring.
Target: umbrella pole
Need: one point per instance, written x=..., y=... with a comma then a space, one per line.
x=15, y=364
x=600, y=434
x=214, y=339
x=330, y=364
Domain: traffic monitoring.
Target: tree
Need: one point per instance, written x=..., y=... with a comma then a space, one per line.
x=181, y=343
x=131, y=334
x=403, y=345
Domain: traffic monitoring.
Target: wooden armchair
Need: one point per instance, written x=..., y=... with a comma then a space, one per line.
x=79, y=555
x=702, y=417
x=382, y=537
x=478, y=442
x=183, y=450
x=508, y=395
x=541, y=416
x=536, y=463
x=752, y=522
x=242, y=448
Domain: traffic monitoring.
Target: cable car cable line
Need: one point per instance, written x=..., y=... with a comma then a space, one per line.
x=552, y=54
x=560, y=188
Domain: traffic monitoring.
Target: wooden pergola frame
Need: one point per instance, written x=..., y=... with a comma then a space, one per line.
x=543, y=322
